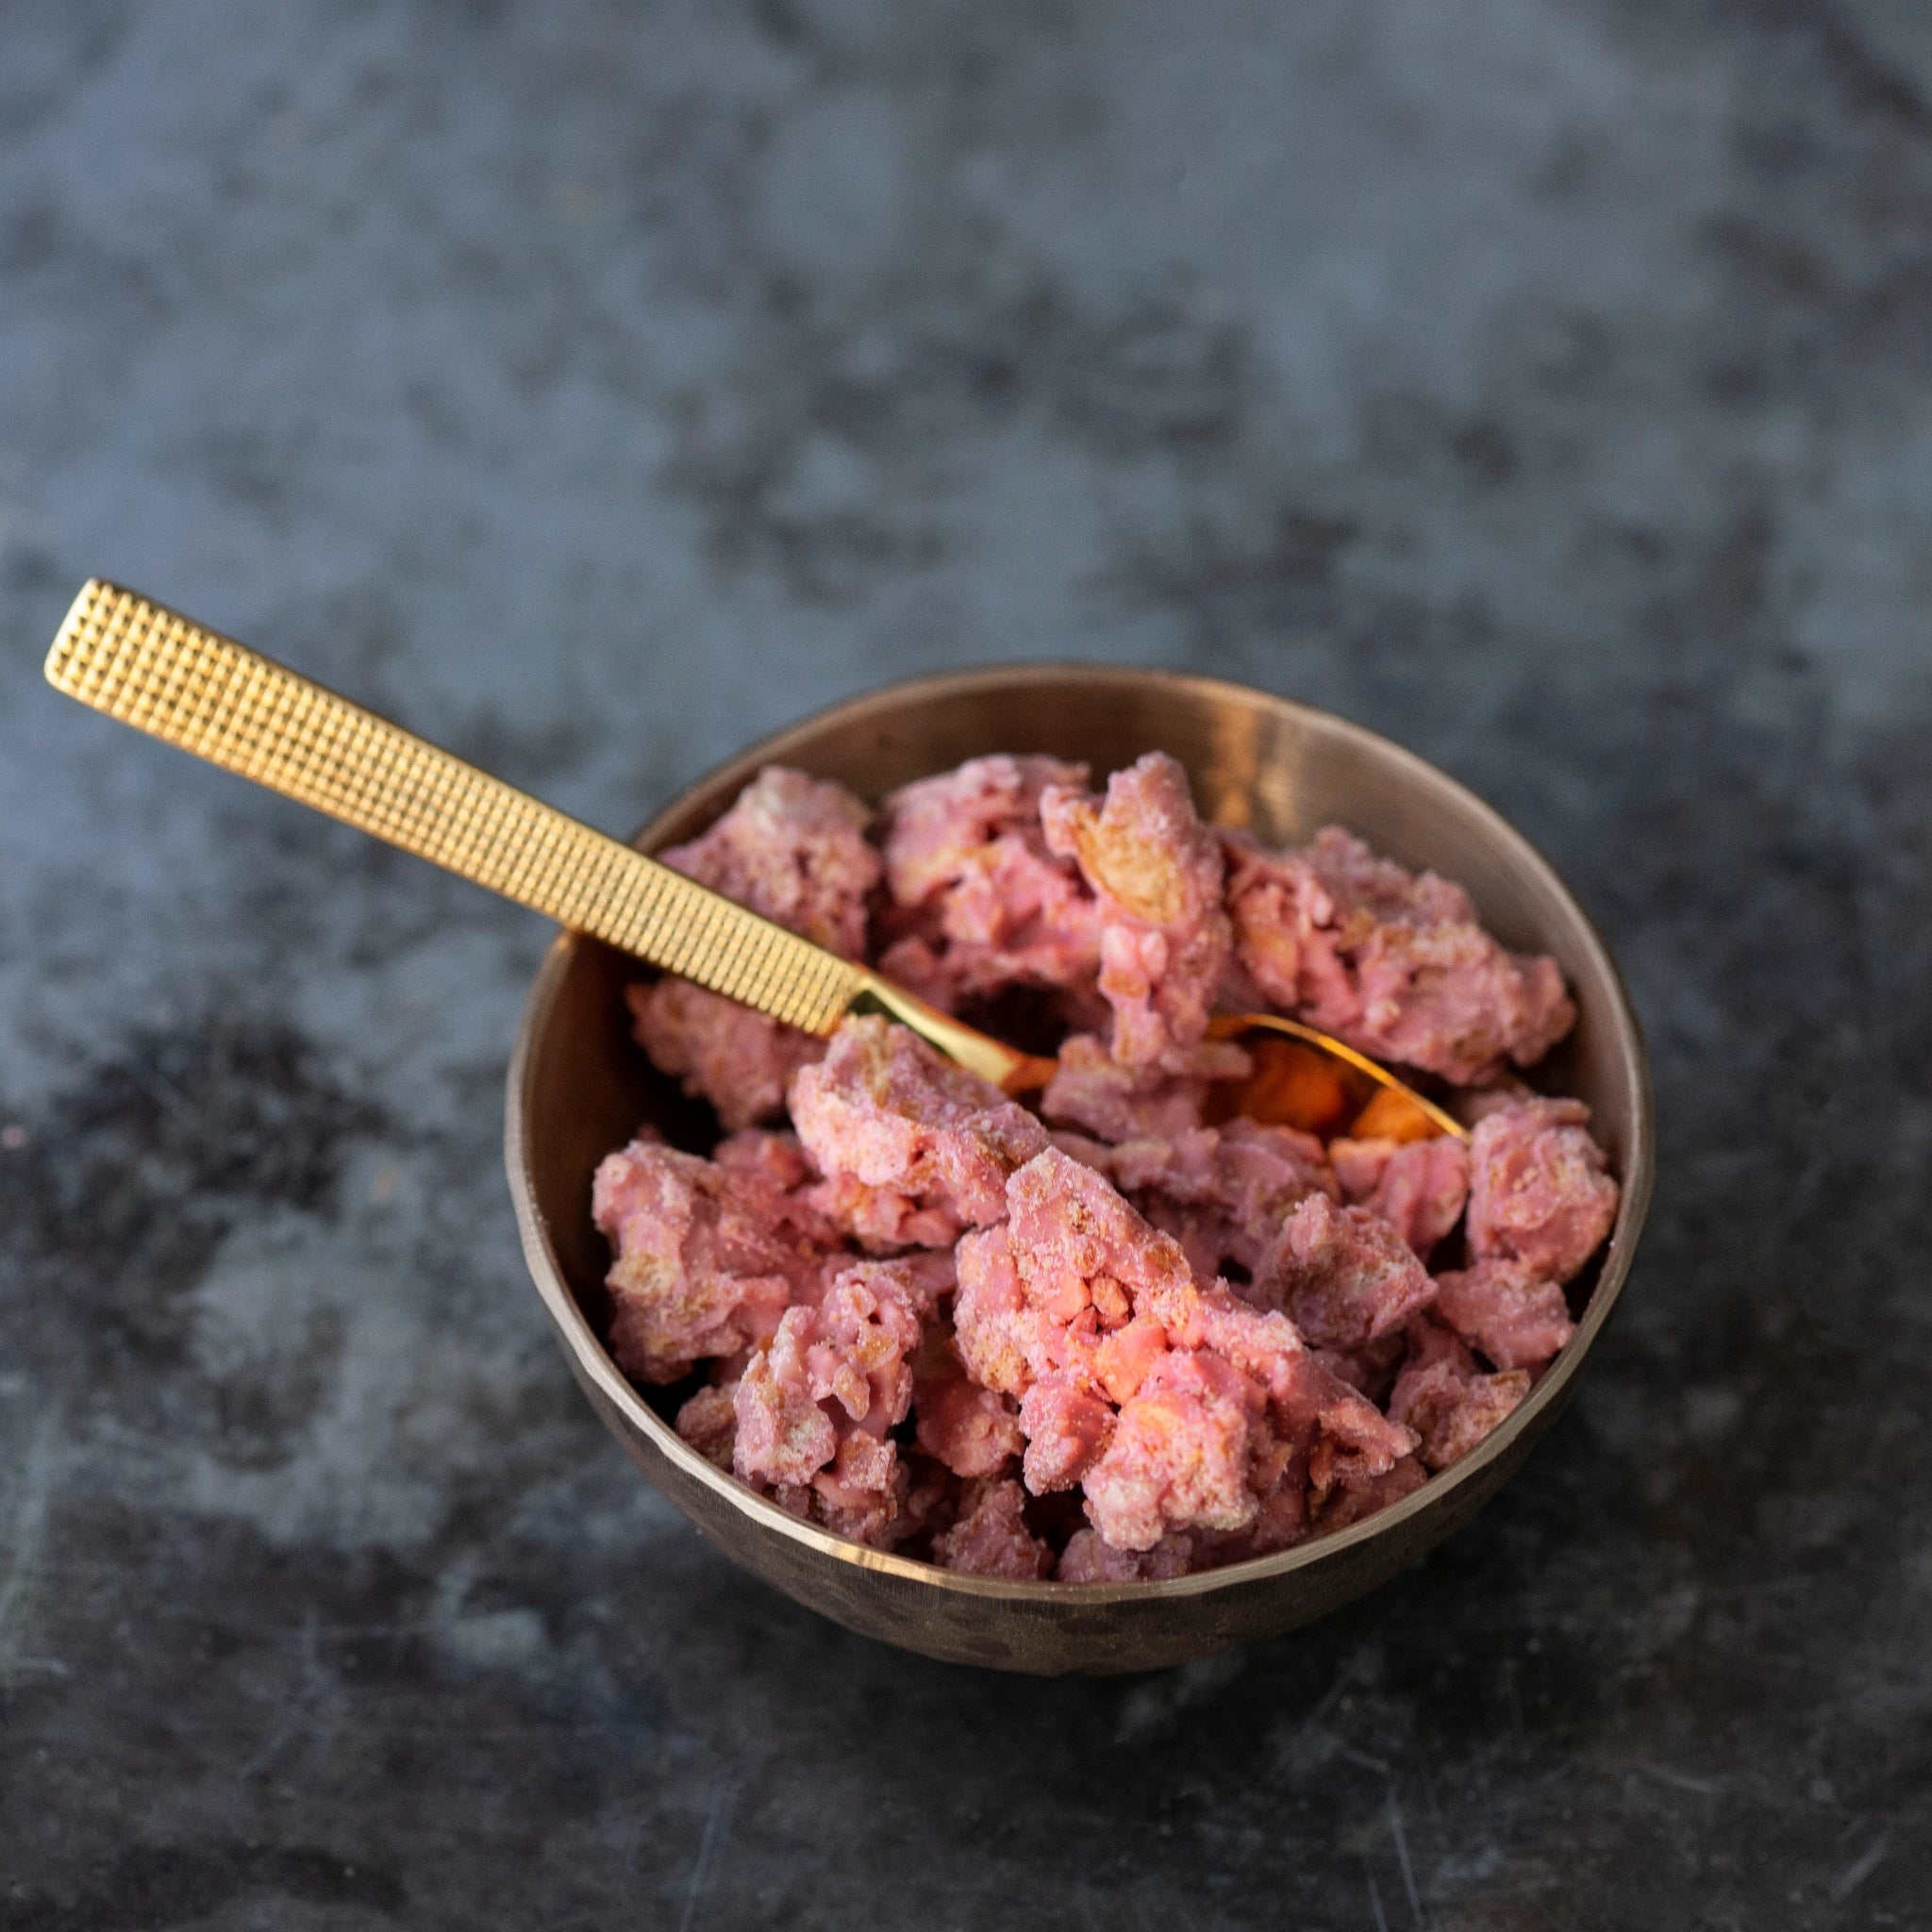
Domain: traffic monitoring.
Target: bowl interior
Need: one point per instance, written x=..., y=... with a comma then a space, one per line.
x=579, y=1087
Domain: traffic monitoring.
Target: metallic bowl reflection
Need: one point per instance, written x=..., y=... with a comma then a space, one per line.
x=577, y=1087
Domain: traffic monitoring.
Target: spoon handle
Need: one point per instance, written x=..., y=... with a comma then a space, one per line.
x=153, y=668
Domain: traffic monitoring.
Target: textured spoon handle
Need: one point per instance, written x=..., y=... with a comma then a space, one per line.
x=158, y=671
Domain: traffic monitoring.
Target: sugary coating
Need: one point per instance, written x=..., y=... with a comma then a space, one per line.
x=869, y=1326
x=717, y=1050
x=795, y=1499
x=1076, y=1285
x=1078, y=1246
x=858, y=1495
x=1371, y=1369
x=1179, y=1455
x=793, y=848
x=1205, y=1236
x=1242, y=1167
x=707, y=1257
x=876, y=1218
x=970, y=1428
x=814, y=1408
x=1261, y=1342
x=776, y=1156
x=1078, y=1306
x=881, y=1219
x=1418, y=1187
x=1067, y=1427
x=1089, y=1153
x=1122, y=1357
x=1392, y=962
x=1157, y=870
x=1344, y=1275
x=1538, y=1191
x=925, y=1279
x=1278, y=1475
x=1511, y=1314
x=1446, y=1399
x=1349, y=1441
x=1000, y=1335
x=1439, y=993
x=980, y=903
x=785, y=1433
x=937, y=829
x=1350, y=1505
x=1089, y=1558
x=885, y=1107
x=708, y=1421
x=990, y=1538
x=1221, y=1192
x=1092, y=1090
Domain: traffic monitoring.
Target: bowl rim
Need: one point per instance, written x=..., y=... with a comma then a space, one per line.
x=594, y=1364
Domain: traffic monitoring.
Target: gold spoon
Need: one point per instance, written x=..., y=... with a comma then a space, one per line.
x=153, y=668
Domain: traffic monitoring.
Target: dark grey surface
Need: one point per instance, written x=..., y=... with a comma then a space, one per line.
x=595, y=386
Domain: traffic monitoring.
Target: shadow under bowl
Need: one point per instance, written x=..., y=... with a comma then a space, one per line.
x=578, y=1088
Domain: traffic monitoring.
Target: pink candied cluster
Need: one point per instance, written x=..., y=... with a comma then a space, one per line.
x=1126, y=1340
x=794, y=849
x=977, y=901
x=1392, y=961
x=1156, y=872
x=1172, y=1404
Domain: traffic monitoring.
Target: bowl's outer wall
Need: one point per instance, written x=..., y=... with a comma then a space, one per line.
x=578, y=1088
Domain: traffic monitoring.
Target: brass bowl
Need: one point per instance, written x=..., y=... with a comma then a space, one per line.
x=578, y=1088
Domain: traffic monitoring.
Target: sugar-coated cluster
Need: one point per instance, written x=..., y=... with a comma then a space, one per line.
x=1125, y=1337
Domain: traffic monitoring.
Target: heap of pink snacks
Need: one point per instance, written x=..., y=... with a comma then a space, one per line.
x=1109, y=1341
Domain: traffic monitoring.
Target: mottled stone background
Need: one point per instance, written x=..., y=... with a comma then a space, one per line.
x=1545, y=382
